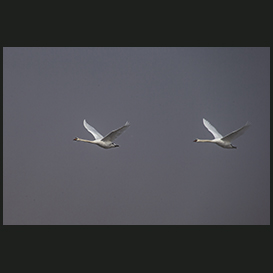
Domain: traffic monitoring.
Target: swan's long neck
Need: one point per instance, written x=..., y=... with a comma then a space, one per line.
x=204, y=140
x=83, y=140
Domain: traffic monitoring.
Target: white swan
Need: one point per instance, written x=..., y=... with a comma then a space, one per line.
x=224, y=142
x=104, y=142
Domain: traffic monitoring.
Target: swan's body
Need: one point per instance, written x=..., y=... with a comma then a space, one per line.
x=104, y=142
x=224, y=142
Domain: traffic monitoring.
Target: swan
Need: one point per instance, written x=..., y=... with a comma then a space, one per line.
x=104, y=142
x=224, y=142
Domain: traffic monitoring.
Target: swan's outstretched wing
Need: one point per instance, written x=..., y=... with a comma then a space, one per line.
x=92, y=130
x=115, y=133
x=215, y=133
x=233, y=135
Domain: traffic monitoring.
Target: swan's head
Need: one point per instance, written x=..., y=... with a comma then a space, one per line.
x=75, y=139
x=196, y=140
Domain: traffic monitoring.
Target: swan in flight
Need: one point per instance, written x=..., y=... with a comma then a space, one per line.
x=104, y=142
x=224, y=142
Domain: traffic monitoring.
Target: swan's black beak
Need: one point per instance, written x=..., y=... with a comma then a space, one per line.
x=195, y=140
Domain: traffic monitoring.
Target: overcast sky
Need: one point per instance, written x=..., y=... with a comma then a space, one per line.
x=158, y=175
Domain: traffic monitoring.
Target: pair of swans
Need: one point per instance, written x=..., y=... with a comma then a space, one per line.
x=107, y=141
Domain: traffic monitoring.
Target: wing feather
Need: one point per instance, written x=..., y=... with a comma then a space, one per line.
x=92, y=130
x=233, y=135
x=115, y=133
x=215, y=133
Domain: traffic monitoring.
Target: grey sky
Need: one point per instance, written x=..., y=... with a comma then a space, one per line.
x=158, y=175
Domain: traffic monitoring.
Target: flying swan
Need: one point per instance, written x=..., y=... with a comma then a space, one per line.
x=104, y=142
x=224, y=142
